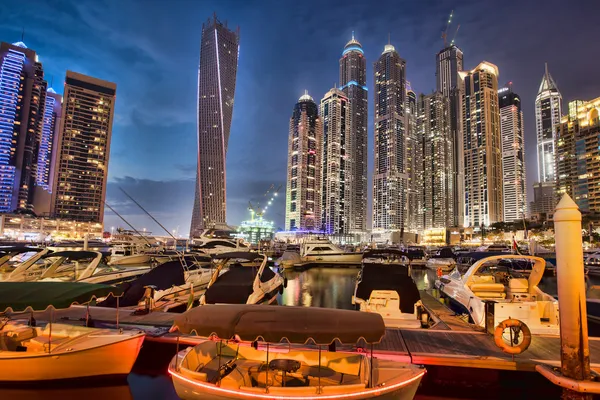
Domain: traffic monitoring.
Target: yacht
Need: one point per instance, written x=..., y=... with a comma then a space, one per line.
x=384, y=286
x=74, y=245
x=214, y=241
x=220, y=368
x=496, y=247
x=443, y=258
x=323, y=252
x=74, y=266
x=11, y=258
x=247, y=280
x=417, y=255
x=55, y=351
x=490, y=288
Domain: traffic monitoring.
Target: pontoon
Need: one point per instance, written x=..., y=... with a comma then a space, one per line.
x=240, y=368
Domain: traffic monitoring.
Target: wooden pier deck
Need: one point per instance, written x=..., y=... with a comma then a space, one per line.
x=454, y=347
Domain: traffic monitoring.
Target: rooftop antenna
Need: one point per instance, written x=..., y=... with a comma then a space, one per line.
x=445, y=31
x=454, y=37
x=546, y=69
x=352, y=35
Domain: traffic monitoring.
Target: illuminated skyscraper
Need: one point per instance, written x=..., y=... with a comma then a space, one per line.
x=390, y=177
x=434, y=111
x=482, y=146
x=46, y=148
x=353, y=81
x=83, y=148
x=414, y=164
x=336, y=163
x=513, y=155
x=547, y=116
x=449, y=62
x=216, y=88
x=22, y=99
x=305, y=149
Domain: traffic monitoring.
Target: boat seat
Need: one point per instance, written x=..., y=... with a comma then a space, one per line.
x=488, y=290
x=21, y=333
x=517, y=286
x=46, y=343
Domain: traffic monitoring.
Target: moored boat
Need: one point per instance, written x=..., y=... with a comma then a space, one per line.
x=443, y=259
x=323, y=252
x=242, y=370
x=55, y=351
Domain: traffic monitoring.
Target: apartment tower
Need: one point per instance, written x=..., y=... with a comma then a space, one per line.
x=547, y=116
x=219, y=50
x=482, y=146
x=353, y=81
x=83, y=149
x=305, y=149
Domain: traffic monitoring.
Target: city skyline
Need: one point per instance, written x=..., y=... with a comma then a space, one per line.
x=169, y=176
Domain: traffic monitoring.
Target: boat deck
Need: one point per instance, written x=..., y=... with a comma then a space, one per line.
x=452, y=346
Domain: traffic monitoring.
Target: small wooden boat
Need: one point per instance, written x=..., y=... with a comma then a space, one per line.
x=33, y=352
x=241, y=369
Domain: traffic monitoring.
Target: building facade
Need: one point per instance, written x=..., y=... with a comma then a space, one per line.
x=22, y=100
x=482, y=146
x=217, y=72
x=449, y=61
x=578, y=171
x=390, y=178
x=336, y=165
x=305, y=149
x=414, y=164
x=543, y=200
x=46, y=148
x=353, y=81
x=547, y=116
x=83, y=149
x=513, y=155
x=438, y=168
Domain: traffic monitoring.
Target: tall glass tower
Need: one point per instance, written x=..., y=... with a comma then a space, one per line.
x=390, y=177
x=547, y=116
x=353, y=81
x=219, y=50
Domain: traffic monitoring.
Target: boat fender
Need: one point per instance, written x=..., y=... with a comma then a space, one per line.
x=439, y=272
x=510, y=348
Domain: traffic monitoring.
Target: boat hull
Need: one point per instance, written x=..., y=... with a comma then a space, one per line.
x=137, y=259
x=114, y=357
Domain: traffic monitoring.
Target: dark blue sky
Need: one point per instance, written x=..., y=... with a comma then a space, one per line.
x=150, y=48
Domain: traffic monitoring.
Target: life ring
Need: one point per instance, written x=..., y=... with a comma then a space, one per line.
x=509, y=348
x=440, y=273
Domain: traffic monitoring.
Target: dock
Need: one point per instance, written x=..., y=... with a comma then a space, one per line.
x=453, y=343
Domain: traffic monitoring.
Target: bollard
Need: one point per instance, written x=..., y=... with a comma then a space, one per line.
x=85, y=242
x=575, y=352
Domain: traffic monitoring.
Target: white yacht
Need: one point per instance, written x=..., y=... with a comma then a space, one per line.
x=215, y=241
x=323, y=252
x=384, y=286
x=443, y=259
x=247, y=280
x=244, y=369
x=490, y=288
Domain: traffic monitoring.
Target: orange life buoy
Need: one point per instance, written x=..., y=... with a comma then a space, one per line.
x=509, y=348
x=439, y=272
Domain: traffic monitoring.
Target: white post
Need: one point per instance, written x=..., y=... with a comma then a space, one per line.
x=85, y=242
x=575, y=352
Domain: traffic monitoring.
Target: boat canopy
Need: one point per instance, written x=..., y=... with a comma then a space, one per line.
x=537, y=271
x=444, y=252
x=376, y=253
x=385, y=277
x=275, y=324
x=246, y=255
x=19, y=249
x=74, y=254
x=20, y=296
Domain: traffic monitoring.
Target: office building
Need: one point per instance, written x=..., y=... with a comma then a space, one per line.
x=390, y=178
x=83, y=148
x=216, y=88
x=336, y=166
x=577, y=168
x=547, y=116
x=482, y=146
x=449, y=61
x=513, y=154
x=414, y=164
x=437, y=189
x=305, y=149
x=543, y=200
x=22, y=100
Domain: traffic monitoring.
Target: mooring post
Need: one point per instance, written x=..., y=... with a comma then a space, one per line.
x=574, y=347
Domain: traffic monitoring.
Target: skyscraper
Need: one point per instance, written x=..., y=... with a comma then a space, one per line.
x=482, y=146
x=547, y=116
x=216, y=88
x=353, y=81
x=578, y=171
x=414, y=164
x=81, y=171
x=336, y=164
x=22, y=100
x=434, y=111
x=46, y=148
x=305, y=149
x=449, y=61
x=513, y=154
x=390, y=178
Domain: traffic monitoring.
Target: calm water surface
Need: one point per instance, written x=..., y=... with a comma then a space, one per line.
x=317, y=287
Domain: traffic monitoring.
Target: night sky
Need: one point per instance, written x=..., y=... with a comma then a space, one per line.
x=151, y=50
